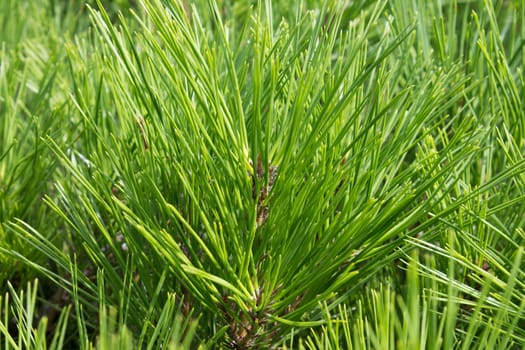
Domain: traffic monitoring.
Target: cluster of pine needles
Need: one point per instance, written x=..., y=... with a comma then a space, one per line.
x=207, y=174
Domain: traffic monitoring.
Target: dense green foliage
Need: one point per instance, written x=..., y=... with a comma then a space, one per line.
x=262, y=174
